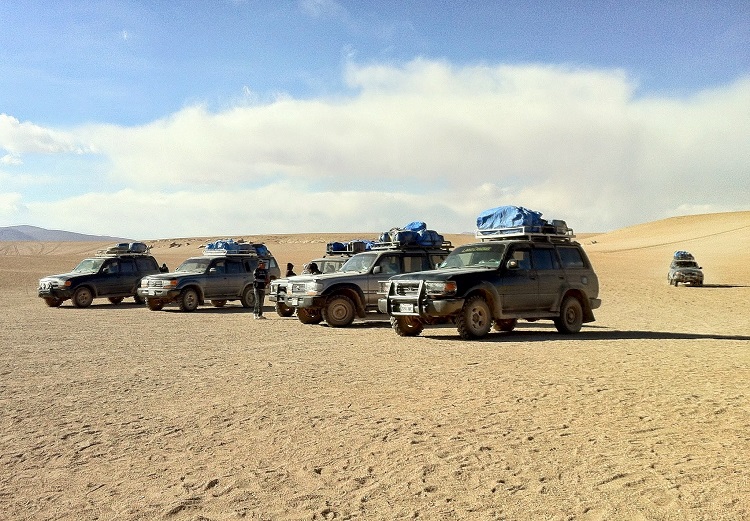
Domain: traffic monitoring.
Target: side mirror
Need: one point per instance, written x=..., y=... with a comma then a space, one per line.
x=212, y=270
x=377, y=269
x=105, y=270
x=512, y=264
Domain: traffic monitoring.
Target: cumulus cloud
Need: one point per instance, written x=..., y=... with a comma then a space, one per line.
x=424, y=140
x=18, y=138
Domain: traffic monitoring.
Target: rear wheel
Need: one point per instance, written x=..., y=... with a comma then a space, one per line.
x=154, y=304
x=571, y=316
x=283, y=310
x=188, y=300
x=218, y=303
x=407, y=326
x=309, y=315
x=248, y=298
x=339, y=311
x=115, y=300
x=474, y=320
x=83, y=297
x=53, y=302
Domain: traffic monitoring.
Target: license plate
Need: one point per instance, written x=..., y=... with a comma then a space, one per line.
x=406, y=308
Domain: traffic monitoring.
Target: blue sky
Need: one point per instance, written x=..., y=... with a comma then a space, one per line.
x=168, y=119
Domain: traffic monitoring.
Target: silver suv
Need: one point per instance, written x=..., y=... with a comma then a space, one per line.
x=353, y=291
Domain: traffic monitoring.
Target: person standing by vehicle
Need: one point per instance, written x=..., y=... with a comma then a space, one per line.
x=289, y=270
x=260, y=280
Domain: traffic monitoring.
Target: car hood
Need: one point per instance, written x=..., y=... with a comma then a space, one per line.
x=173, y=275
x=67, y=276
x=440, y=274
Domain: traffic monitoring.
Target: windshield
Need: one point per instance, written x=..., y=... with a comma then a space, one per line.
x=685, y=264
x=475, y=255
x=359, y=263
x=89, y=266
x=194, y=265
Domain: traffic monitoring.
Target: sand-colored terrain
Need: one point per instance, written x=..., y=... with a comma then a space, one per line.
x=120, y=413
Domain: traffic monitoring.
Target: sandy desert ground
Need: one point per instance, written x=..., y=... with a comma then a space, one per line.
x=120, y=413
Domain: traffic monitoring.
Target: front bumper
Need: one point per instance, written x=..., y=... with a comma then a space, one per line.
x=400, y=306
x=158, y=293
x=58, y=293
x=300, y=301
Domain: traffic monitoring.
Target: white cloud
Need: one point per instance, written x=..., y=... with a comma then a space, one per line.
x=18, y=138
x=425, y=141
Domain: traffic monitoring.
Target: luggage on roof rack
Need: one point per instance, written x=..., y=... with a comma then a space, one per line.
x=415, y=234
x=683, y=255
x=350, y=247
x=232, y=247
x=124, y=248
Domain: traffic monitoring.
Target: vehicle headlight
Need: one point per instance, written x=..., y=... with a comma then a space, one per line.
x=171, y=283
x=385, y=287
x=144, y=283
x=440, y=288
x=313, y=288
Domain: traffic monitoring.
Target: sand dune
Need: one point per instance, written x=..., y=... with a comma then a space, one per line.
x=119, y=413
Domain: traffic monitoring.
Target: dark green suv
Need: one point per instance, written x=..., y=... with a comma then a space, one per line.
x=114, y=274
x=512, y=274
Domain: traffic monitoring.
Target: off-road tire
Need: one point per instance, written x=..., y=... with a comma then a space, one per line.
x=474, y=321
x=571, y=316
x=339, y=311
x=506, y=325
x=309, y=315
x=407, y=325
x=283, y=310
x=154, y=304
x=115, y=300
x=53, y=302
x=248, y=298
x=218, y=303
x=83, y=297
x=188, y=300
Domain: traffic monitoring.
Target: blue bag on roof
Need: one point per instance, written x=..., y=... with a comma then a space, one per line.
x=509, y=217
x=415, y=226
x=404, y=237
x=430, y=238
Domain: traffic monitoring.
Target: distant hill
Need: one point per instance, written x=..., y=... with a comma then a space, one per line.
x=33, y=233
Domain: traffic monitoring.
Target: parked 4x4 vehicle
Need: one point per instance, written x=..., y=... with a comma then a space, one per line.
x=684, y=269
x=513, y=274
x=220, y=275
x=114, y=273
x=337, y=253
x=340, y=297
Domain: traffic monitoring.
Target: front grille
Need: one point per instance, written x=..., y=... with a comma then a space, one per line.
x=406, y=288
x=155, y=283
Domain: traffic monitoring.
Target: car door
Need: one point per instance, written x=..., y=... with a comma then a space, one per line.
x=129, y=276
x=110, y=280
x=519, y=281
x=549, y=275
x=236, y=277
x=385, y=267
x=216, y=279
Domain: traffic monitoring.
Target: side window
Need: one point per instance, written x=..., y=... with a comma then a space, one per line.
x=127, y=266
x=571, y=257
x=544, y=259
x=271, y=263
x=389, y=265
x=113, y=267
x=220, y=266
x=250, y=265
x=523, y=256
x=414, y=263
x=435, y=260
x=234, y=266
x=145, y=264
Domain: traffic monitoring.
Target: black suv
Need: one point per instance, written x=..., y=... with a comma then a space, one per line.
x=114, y=273
x=219, y=275
x=512, y=274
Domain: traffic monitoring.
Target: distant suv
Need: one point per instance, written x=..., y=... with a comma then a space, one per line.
x=114, y=273
x=219, y=275
x=512, y=274
x=340, y=297
x=684, y=269
x=335, y=257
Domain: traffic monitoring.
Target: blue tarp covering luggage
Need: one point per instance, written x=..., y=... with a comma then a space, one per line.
x=414, y=233
x=430, y=238
x=509, y=217
x=415, y=226
x=683, y=255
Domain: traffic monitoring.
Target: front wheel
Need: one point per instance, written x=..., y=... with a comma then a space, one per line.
x=283, y=310
x=339, y=311
x=407, y=326
x=571, y=316
x=474, y=320
x=83, y=297
x=53, y=302
x=188, y=300
x=138, y=299
x=309, y=315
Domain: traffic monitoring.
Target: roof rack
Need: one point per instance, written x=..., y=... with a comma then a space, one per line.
x=394, y=245
x=348, y=248
x=232, y=247
x=543, y=233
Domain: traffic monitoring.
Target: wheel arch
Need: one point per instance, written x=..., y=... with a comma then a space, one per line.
x=352, y=291
x=588, y=313
x=198, y=290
